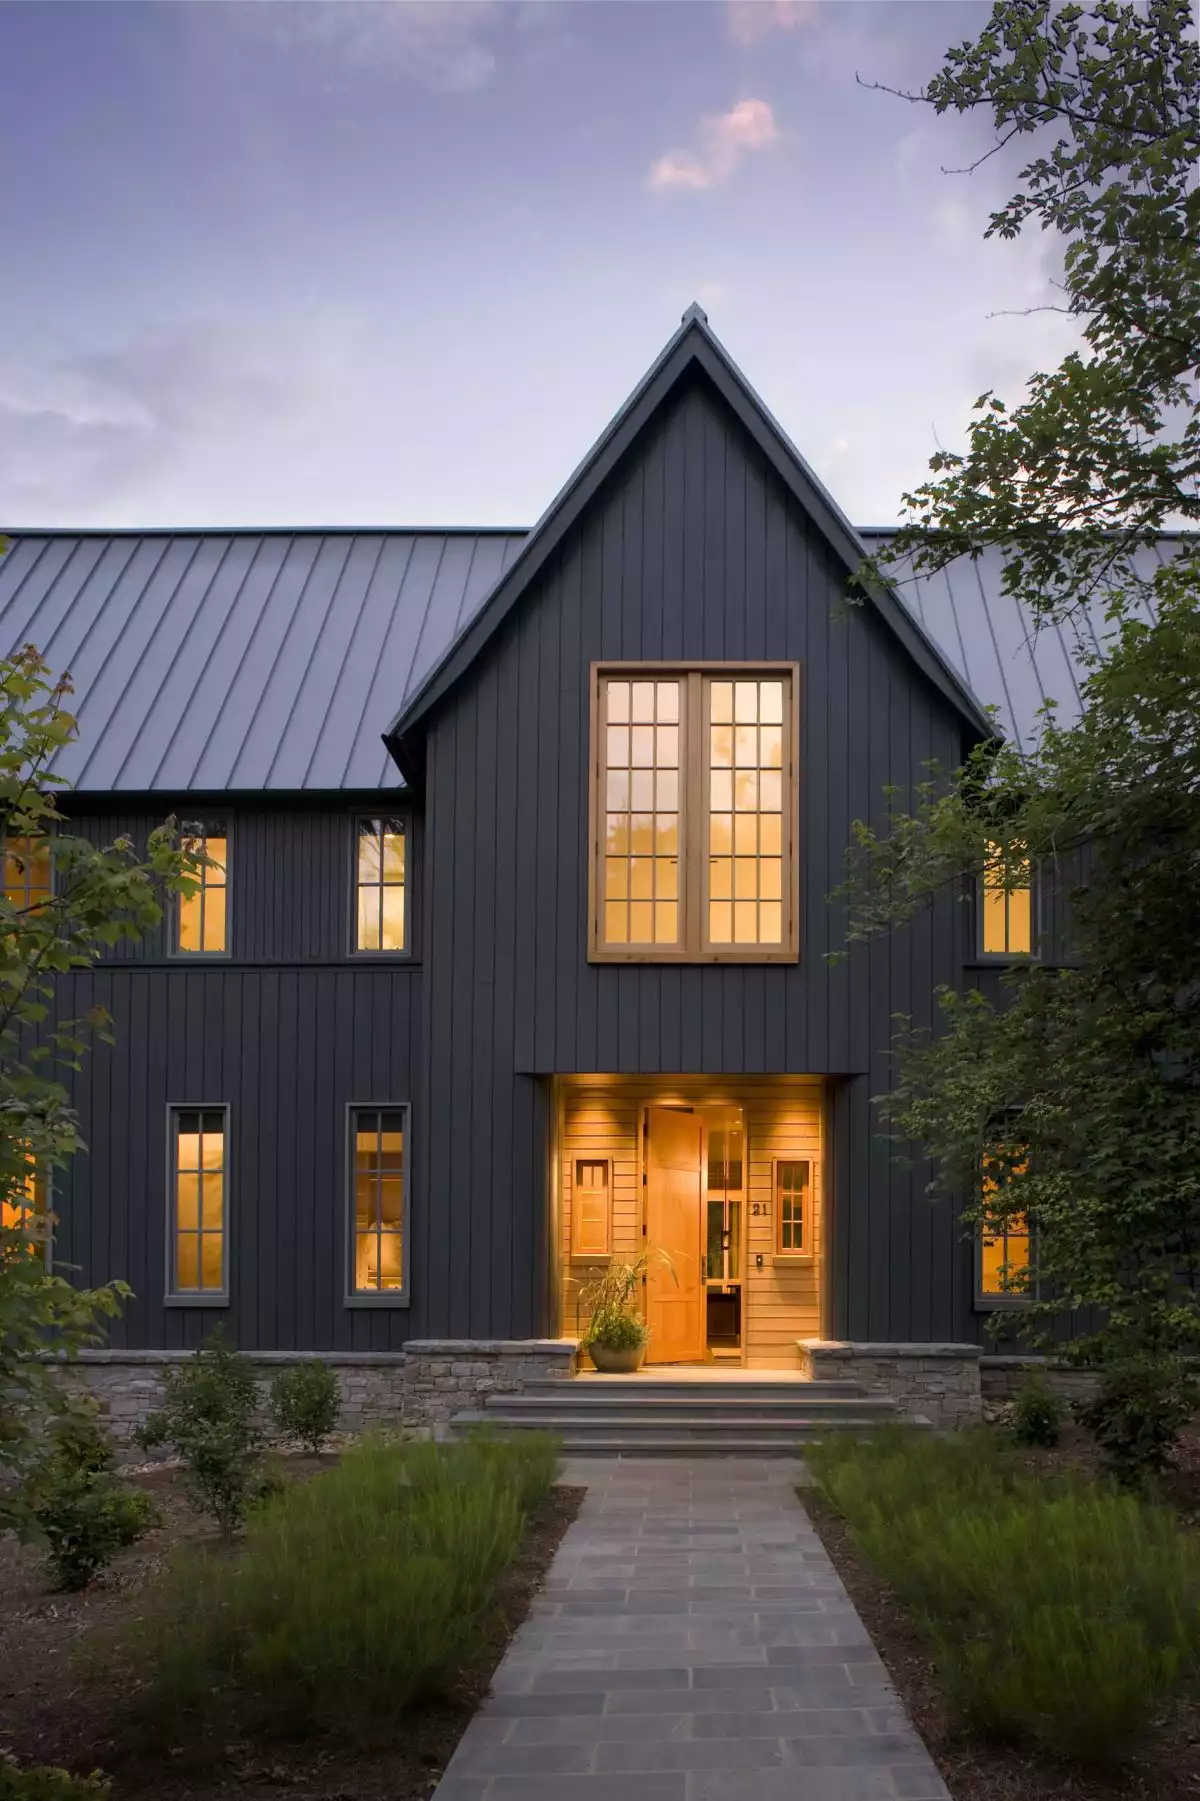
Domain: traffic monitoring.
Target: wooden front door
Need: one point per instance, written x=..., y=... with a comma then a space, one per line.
x=674, y=1293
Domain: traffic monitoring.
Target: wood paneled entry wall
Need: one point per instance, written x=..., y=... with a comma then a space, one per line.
x=726, y=1176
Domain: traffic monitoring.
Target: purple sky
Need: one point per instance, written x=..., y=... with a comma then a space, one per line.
x=386, y=263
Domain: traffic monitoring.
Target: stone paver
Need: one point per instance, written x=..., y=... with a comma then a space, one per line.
x=693, y=1643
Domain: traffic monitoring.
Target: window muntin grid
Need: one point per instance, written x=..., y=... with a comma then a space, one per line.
x=792, y=1181
x=28, y=872
x=377, y=1175
x=1007, y=915
x=745, y=782
x=379, y=885
x=642, y=801
x=199, y=1158
x=203, y=915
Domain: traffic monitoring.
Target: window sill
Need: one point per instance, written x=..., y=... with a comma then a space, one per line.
x=378, y=1300
x=196, y=1300
x=696, y=959
x=781, y=1259
x=998, y=1303
x=586, y=1260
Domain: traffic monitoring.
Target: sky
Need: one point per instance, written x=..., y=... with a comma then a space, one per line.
x=384, y=263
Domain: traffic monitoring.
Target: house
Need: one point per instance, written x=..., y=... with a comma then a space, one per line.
x=512, y=954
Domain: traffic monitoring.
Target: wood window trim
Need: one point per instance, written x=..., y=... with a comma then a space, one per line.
x=196, y=1297
x=212, y=825
x=404, y=821
x=696, y=948
x=578, y=1255
x=387, y=1297
x=1009, y=956
x=805, y=1253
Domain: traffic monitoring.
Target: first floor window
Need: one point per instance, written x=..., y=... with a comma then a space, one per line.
x=793, y=1178
x=199, y=1201
x=591, y=1209
x=379, y=886
x=1004, y=1243
x=24, y=1209
x=1006, y=905
x=202, y=919
x=377, y=1178
x=693, y=808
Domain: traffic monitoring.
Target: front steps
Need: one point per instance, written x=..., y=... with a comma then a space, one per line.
x=655, y=1416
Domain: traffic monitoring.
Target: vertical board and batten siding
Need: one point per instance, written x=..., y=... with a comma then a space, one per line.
x=782, y=1298
x=287, y=1031
x=693, y=550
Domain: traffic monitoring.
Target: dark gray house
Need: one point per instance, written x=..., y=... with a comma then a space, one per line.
x=513, y=957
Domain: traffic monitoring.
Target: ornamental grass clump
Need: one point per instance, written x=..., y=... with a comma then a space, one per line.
x=1062, y=1613
x=352, y=1597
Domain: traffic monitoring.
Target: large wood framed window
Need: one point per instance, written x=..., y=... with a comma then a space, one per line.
x=1006, y=907
x=693, y=814
x=380, y=886
x=202, y=918
x=198, y=1205
x=378, y=1210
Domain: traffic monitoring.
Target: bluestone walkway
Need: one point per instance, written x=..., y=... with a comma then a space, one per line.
x=693, y=1643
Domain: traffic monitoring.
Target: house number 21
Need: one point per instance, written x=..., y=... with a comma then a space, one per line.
x=760, y=1208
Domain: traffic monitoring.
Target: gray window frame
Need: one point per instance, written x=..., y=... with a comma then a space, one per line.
x=390, y=1297
x=191, y=1297
x=213, y=825
x=986, y=1302
x=1033, y=954
x=404, y=821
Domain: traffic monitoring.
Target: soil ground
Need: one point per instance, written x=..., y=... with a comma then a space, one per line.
x=58, y=1706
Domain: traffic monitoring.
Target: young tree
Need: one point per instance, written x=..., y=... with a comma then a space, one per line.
x=64, y=901
x=1075, y=1105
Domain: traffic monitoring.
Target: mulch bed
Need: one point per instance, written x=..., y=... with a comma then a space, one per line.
x=57, y=1707
x=1168, y=1769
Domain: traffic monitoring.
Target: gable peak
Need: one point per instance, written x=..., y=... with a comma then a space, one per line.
x=695, y=315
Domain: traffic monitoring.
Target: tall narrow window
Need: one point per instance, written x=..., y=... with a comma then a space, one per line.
x=591, y=1208
x=377, y=1175
x=693, y=808
x=379, y=886
x=28, y=873
x=24, y=1210
x=1006, y=912
x=793, y=1180
x=1004, y=1243
x=199, y=1267
x=203, y=917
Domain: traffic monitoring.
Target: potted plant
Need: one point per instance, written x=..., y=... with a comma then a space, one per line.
x=616, y=1335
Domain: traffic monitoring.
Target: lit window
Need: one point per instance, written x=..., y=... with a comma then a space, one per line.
x=590, y=1209
x=377, y=1175
x=24, y=1210
x=1004, y=1262
x=199, y=1197
x=1007, y=913
x=693, y=807
x=28, y=875
x=202, y=917
x=379, y=886
x=793, y=1179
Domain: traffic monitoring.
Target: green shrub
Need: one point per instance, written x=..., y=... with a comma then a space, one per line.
x=84, y=1514
x=1142, y=1405
x=208, y=1414
x=1061, y=1612
x=1037, y=1414
x=41, y=1783
x=352, y=1596
x=306, y=1402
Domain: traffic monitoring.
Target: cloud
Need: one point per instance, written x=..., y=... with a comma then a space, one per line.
x=439, y=44
x=750, y=21
x=726, y=139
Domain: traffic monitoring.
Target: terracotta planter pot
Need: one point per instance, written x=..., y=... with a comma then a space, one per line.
x=617, y=1363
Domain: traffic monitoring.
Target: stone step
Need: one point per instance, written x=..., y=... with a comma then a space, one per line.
x=663, y=1403
x=725, y=1387
x=647, y=1427
x=621, y=1437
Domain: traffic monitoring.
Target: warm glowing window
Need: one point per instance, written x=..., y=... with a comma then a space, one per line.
x=590, y=1207
x=203, y=915
x=693, y=810
x=379, y=886
x=200, y=1192
x=793, y=1181
x=23, y=1209
x=1007, y=911
x=1003, y=1243
x=28, y=876
x=377, y=1137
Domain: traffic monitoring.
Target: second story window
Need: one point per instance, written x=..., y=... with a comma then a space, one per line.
x=379, y=886
x=693, y=810
x=202, y=918
x=28, y=872
x=1005, y=907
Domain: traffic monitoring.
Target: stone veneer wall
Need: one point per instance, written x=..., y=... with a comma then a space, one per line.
x=418, y=1388
x=939, y=1381
x=1001, y=1377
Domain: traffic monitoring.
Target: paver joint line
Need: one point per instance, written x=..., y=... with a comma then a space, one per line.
x=693, y=1642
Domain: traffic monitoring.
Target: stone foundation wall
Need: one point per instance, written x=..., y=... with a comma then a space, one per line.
x=445, y=1375
x=1001, y=1377
x=939, y=1381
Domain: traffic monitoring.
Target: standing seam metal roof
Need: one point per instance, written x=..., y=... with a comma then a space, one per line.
x=274, y=660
